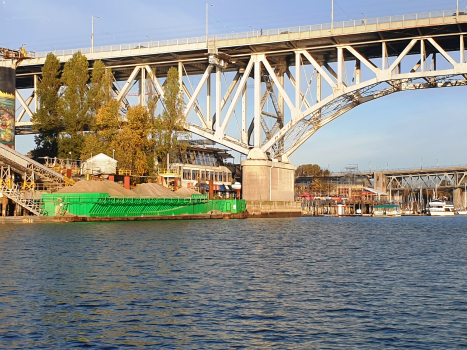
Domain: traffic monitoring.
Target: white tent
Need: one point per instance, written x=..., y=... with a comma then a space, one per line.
x=99, y=164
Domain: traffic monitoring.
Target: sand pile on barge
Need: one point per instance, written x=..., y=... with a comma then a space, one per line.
x=153, y=190
x=92, y=186
x=185, y=192
x=149, y=190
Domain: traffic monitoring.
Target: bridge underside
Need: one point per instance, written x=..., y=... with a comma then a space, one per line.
x=257, y=103
x=265, y=94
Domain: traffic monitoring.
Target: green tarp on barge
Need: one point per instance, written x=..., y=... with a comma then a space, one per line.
x=102, y=205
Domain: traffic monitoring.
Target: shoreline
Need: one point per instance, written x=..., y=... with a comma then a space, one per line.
x=213, y=216
x=68, y=219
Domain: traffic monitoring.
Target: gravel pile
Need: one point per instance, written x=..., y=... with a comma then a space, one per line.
x=185, y=192
x=92, y=186
x=154, y=190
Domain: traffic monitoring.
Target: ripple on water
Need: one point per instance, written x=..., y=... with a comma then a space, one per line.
x=286, y=283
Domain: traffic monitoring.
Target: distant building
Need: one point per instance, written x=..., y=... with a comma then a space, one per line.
x=197, y=166
x=100, y=164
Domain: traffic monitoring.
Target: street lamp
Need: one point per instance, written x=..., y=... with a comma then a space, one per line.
x=252, y=30
x=332, y=14
x=53, y=48
x=148, y=38
x=92, y=34
x=207, y=21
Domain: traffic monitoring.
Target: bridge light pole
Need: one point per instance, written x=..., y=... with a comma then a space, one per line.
x=332, y=14
x=92, y=34
x=207, y=23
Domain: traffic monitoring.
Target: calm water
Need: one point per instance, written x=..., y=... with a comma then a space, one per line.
x=333, y=283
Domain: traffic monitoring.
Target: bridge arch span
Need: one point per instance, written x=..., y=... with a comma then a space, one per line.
x=382, y=56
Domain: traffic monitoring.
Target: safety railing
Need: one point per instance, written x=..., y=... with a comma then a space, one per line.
x=14, y=193
x=169, y=172
x=359, y=24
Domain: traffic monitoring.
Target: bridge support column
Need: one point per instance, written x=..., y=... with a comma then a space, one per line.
x=7, y=106
x=457, y=198
x=380, y=181
x=265, y=180
x=4, y=205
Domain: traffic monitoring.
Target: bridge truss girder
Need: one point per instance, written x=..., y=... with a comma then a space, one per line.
x=302, y=102
x=307, y=115
x=427, y=180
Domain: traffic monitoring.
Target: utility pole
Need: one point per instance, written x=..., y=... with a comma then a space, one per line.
x=92, y=34
x=332, y=14
x=207, y=24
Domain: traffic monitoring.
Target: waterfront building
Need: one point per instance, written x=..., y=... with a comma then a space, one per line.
x=200, y=164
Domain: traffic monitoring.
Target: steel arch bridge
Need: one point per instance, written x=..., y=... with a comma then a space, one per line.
x=302, y=78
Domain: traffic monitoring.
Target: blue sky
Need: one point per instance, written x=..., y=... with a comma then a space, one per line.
x=396, y=131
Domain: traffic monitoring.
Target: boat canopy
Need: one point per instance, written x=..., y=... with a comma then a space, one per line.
x=386, y=206
x=372, y=190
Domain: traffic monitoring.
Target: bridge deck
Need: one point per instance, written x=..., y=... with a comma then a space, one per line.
x=278, y=44
x=427, y=171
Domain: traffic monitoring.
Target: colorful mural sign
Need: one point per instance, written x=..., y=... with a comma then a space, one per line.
x=7, y=106
x=7, y=118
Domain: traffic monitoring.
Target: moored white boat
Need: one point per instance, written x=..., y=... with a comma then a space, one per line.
x=437, y=207
x=387, y=210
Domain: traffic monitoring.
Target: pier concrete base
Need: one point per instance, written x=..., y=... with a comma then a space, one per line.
x=277, y=209
x=457, y=198
x=380, y=181
x=264, y=180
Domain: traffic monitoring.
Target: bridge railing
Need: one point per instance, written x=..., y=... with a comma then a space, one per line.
x=357, y=24
x=414, y=168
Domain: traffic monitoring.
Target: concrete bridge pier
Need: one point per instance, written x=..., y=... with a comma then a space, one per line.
x=380, y=181
x=265, y=180
x=268, y=189
x=457, y=198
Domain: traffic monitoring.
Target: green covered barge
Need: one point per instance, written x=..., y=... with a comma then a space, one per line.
x=101, y=205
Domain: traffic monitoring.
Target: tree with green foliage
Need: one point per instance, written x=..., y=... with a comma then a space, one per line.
x=47, y=120
x=133, y=144
x=309, y=170
x=104, y=113
x=170, y=137
x=74, y=105
x=100, y=87
x=321, y=183
x=104, y=138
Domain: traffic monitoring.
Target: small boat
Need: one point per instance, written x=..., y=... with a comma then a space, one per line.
x=387, y=210
x=462, y=212
x=438, y=207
